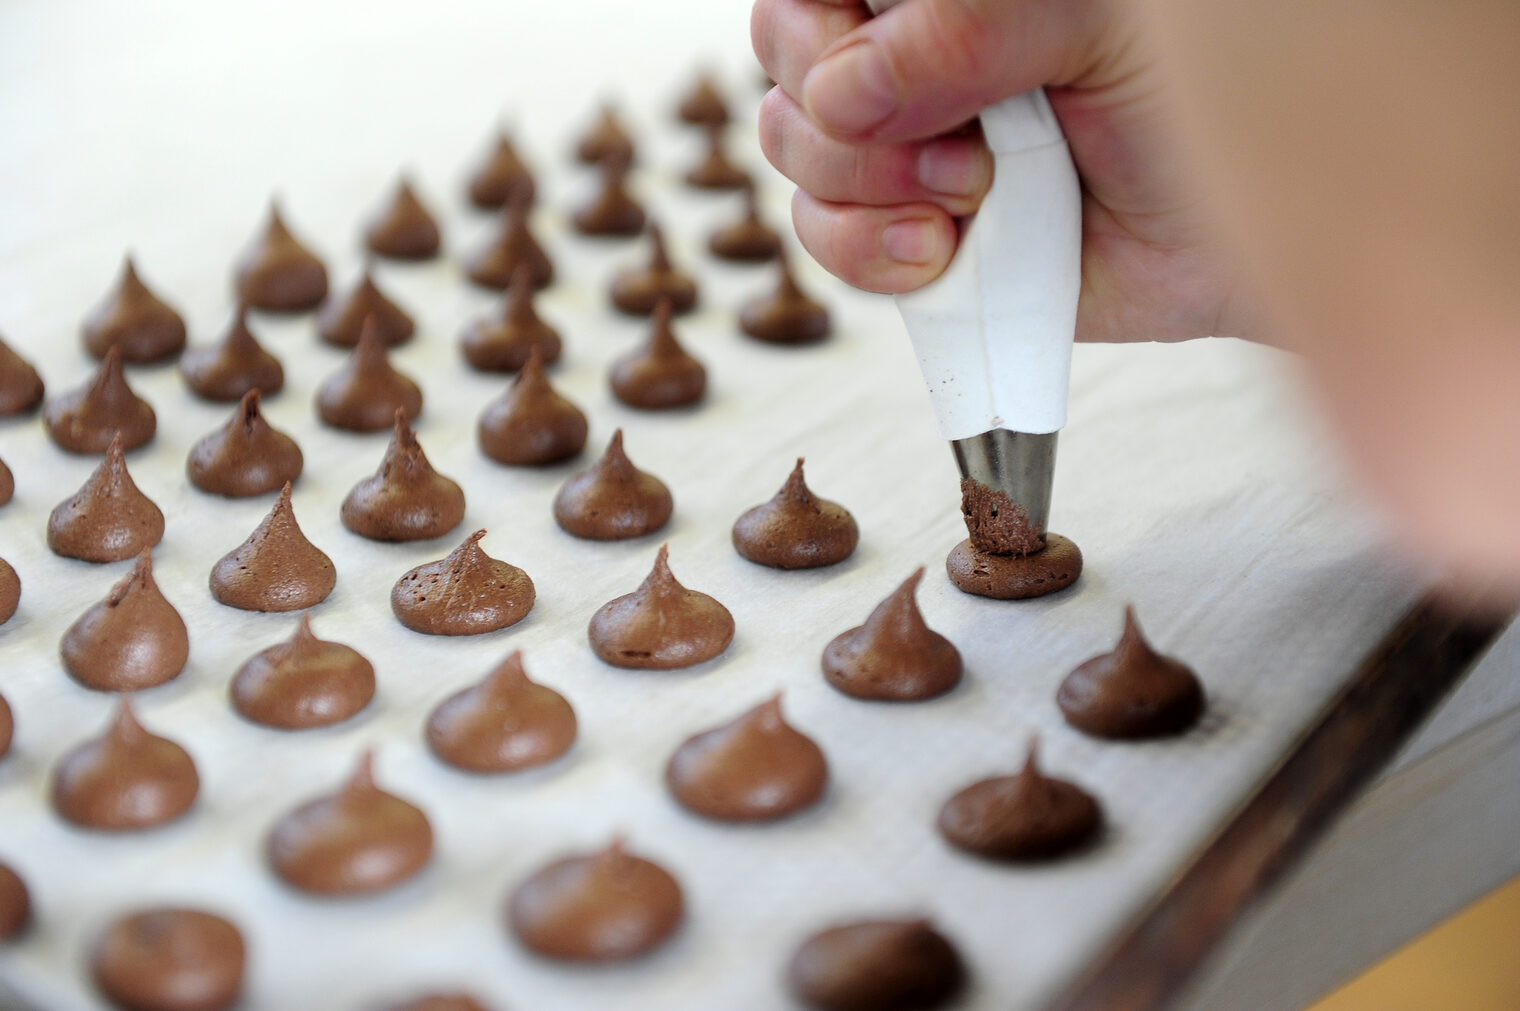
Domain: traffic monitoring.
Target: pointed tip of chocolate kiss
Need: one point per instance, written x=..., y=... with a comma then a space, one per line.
x=508, y=675
x=125, y=726
x=362, y=779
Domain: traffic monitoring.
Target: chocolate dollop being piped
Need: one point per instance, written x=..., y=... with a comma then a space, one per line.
x=636, y=290
x=361, y=839
x=365, y=394
x=660, y=373
x=7, y=726
x=796, y=529
x=662, y=625
x=233, y=366
x=276, y=568
x=504, y=723
x=597, y=907
x=125, y=780
x=894, y=656
x=402, y=228
x=167, y=959
x=15, y=904
x=531, y=425
x=20, y=386
x=785, y=315
x=303, y=682
x=406, y=499
x=877, y=965
x=1022, y=818
x=84, y=420
x=467, y=593
x=277, y=272
x=754, y=768
x=132, y=639
x=606, y=138
x=133, y=318
x=1132, y=692
x=703, y=104
x=1006, y=557
x=612, y=500
x=716, y=171
x=612, y=210
x=502, y=340
x=108, y=518
x=748, y=240
x=500, y=173
x=509, y=246
x=346, y=315
x=246, y=456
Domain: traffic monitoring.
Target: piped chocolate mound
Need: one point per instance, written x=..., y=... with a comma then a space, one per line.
x=504, y=723
x=716, y=171
x=84, y=420
x=509, y=246
x=1006, y=557
x=1133, y=692
x=7, y=726
x=15, y=904
x=894, y=656
x=703, y=103
x=144, y=326
x=660, y=373
x=501, y=172
x=276, y=568
x=365, y=394
x=233, y=366
x=358, y=840
x=346, y=315
x=882, y=965
x=132, y=639
x=20, y=386
x=755, y=768
x=607, y=138
x=303, y=682
x=662, y=625
x=108, y=518
x=7, y=484
x=637, y=290
x=467, y=593
x=502, y=340
x=599, y=907
x=244, y=457
x=277, y=272
x=785, y=315
x=796, y=529
x=406, y=499
x=439, y=1002
x=1022, y=818
x=402, y=228
x=125, y=780
x=10, y=591
x=612, y=210
x=748, y=240
x=170, y=960
x=531, y=425
x=613, y=500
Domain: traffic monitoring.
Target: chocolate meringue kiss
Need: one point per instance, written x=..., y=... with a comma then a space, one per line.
x=510, y=245
x=15, y=904
x=785, y=315
x=402, y=228
x=795, y=529
x=877, y=965
x=597, y=907
x=703, y=104
x=245, y=456
x=894, y=656
x=303, y=682
x=662, y=625
x=1006, y=557
x=233, y=366
x=636, y=290
x=607, y=138
x=504, y=723
x=20, y=386
x=125, y=780
x=748, y=240
x=1133, y=692
x=132, y=639
x=84, y=420
x=406, y=499
x=498, y=174
x=344, y=316
x=502, y=340
x=612, y=210
x=467, y=593
x=356, y=841
x=10, y=591
x=107, y=519
x=366, y=392
x=276, y=272
x=716, y=171
x=144, y=326
x=276, y=568
x=1022, y=818
x=165, y=959
x=612, y=500
x=530, y=424
x=755, y=768
x=660, y=373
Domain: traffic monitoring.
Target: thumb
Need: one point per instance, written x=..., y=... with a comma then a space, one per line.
x=926, y=66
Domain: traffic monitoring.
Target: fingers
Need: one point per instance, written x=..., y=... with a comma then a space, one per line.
x=790, y=35
x=888, y=249
x=954, y=172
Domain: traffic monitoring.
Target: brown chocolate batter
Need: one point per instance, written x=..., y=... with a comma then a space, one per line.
x=406, y=499
x=343, y=317
x=661, y=625
x=84, y=420
x=276, y=568
x=303, y=682
x=277, y=272
x=612, y=499
x=502, y=340
x=530, y=424
x=636, y=290
x=125, y=780
x=170, y=960
x=467, y=593
x=894, y=656
x=234, y=365
x=108, y=518
x=659, y=373
x=133, y=318
x=132, y=639
x=503, y=723
x=365, y=394
x=755, y=768
x=888, y=965
x=1132, y=692
x=402, y=228
x=1023, y=818
x=244, y=457
x=795, y=529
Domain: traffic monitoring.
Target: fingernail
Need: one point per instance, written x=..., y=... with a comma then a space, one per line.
x=955, y=168
x=851, y=91
x=915, y=241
